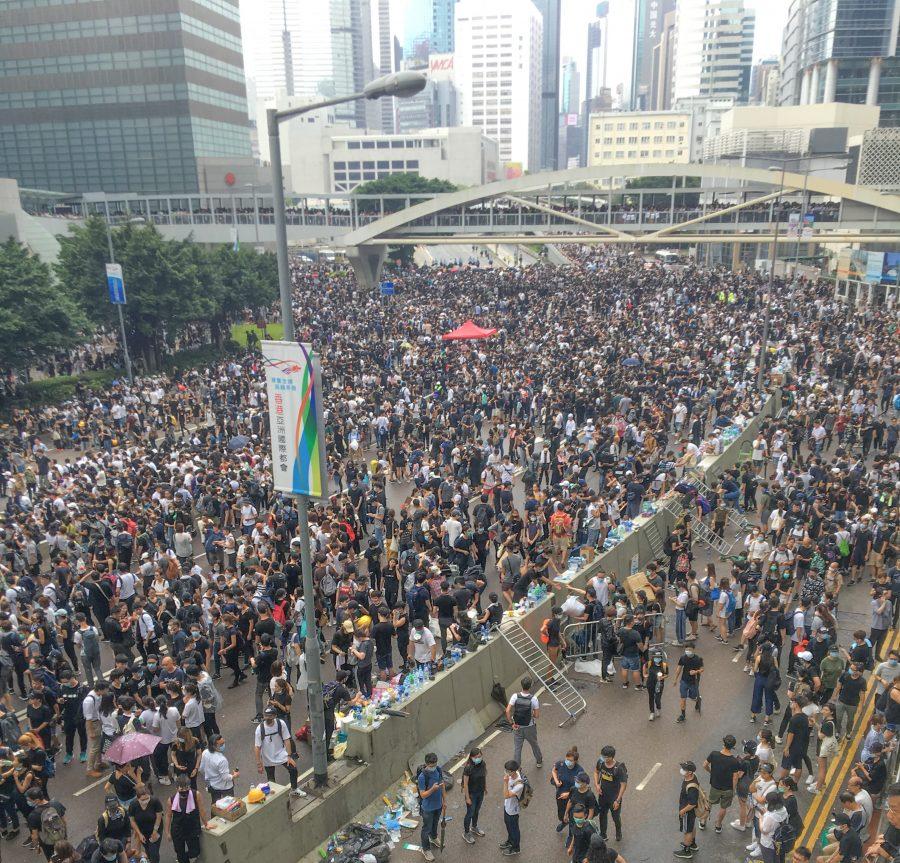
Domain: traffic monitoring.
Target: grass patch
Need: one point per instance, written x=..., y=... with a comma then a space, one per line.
x=239, y=332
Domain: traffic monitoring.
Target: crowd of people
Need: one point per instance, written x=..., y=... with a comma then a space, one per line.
x=145, y=553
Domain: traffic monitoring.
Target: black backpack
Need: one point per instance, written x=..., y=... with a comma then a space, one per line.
x=522, y=710
x=784, y=838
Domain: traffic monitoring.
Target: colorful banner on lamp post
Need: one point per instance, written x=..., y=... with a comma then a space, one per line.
x=294, y=389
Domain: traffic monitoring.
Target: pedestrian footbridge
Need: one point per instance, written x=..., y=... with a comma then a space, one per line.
x=649, y=205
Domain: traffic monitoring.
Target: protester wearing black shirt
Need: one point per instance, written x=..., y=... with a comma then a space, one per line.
x=474, y=786
x=146, y=815
x=724, y=771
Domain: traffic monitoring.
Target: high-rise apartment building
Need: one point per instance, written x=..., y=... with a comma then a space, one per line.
x=713, y=49
x=842, y=51
x=428, y=28
x=97, y=97
x=498, y=61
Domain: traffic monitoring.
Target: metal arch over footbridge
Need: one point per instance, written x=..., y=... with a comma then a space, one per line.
x=579, y=206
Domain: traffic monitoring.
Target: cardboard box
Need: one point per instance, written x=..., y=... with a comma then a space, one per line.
x=230, y=814
x=637, y=582
x=588, y=552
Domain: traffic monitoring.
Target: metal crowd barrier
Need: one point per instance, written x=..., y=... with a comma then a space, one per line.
x=583, y=637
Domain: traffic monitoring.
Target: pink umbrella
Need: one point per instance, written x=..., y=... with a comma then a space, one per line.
x=129, y=746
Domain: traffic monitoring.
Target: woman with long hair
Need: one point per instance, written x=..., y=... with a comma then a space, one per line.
x=185, y=755
x=474, y=786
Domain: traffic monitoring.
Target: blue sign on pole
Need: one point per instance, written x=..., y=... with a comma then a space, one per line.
x=116, y=284
x=387, y=289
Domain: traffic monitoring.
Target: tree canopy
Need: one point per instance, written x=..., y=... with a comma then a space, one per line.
x=169, y=284
x=405, y=184
x=36, y=316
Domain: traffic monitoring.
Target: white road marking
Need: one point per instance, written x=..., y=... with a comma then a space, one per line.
x=737, y=656
x=643, y=783
x=87, y=788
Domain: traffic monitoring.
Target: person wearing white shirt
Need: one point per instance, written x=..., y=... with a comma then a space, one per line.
x=215, y=769
x=773, y=815
x=270, y=740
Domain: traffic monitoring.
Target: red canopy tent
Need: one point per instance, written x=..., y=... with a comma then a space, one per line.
x=469, y=330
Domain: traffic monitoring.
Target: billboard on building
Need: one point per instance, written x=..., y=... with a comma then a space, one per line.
x=294, y=390
x=890, y=268
x=851, y=264
x=512, y=170
x=874, y=264
x=440, y=67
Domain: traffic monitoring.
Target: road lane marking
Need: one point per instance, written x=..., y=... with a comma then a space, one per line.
x=483, y=743
x=87, y=788
x=737, y=656
x=643, y=783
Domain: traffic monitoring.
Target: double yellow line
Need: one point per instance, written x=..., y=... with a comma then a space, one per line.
x=820, y=811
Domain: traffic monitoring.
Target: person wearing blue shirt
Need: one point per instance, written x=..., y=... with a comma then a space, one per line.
x=431, y=794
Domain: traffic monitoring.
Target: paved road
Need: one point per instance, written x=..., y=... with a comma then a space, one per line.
x=650, y=825
x=650, y=750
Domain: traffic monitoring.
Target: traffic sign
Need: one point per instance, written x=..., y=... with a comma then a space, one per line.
x=387, y=289
x=116, y=284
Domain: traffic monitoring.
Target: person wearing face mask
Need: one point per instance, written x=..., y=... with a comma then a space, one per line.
x=562, y=777
x=848, y=693
x=185, y=816
x=610, y=781
x=846, y=845
x=146, y=815
x=688, y=799
x=109, y=851
x=656, y=671
x=215, y=770
x=830, y=669
x=580, y=832
x=271, y=740
x=474, y=788
x=687, y=676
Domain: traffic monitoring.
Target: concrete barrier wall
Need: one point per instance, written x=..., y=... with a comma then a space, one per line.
x=453, y=709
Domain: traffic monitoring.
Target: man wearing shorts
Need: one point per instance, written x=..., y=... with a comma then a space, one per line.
x=687, y=675
x=724, y=770
x=632, y=646
x=560, y=524
x=687, y=810
x=796, y=740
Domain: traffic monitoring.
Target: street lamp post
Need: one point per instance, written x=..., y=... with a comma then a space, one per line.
x=252, y=187
x=112, y=259
x=400, y=84
x=761, y=372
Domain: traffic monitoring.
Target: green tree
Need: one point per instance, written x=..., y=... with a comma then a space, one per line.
x=166, y=283
x=404, y=184
x=242, y=279
x=36, y=316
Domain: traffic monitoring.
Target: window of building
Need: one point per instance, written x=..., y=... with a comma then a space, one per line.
x=384, y=145
x=340, y=166
x=384, y=165
x=368, y=145
x=353, y=145
x=397, y=166
x=413, y=164
x=352, y=165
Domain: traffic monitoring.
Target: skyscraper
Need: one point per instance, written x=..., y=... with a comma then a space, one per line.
x=550, y=12
x=351, y=56
x=595, y=72
x=663, y=66
x=442, y=35
x=385, y=61
x=764, y=83
x=842, y=51
x=570, y=97
x=498, y=62
x=418, y=27
x=713, y=49
x=648, y=27
x=92, y=99
x=285, y=50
